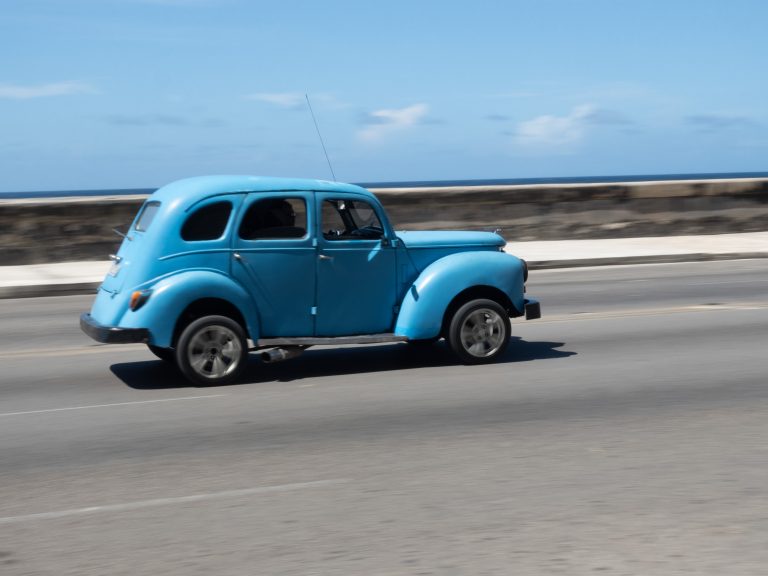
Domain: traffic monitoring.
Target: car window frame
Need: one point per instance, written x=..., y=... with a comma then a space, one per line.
x=192, y=210
x=375, y=208
x=149, y=204
x=252, y=198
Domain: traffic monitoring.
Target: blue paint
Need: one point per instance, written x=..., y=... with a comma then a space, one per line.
x=424, y=305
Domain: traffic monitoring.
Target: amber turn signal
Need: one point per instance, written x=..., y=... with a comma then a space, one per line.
x=139, y=298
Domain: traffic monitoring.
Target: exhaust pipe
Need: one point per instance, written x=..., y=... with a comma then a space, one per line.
x=280, y=354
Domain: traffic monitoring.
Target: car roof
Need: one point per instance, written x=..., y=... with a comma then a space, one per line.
x=192, y=190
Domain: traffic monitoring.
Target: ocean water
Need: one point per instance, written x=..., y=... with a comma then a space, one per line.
x=427, y=183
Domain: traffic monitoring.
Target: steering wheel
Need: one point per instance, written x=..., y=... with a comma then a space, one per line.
x=372, y=232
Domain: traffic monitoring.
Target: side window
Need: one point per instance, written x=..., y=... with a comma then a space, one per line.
x=207, y=223
x=350, y=220
x=275, y=218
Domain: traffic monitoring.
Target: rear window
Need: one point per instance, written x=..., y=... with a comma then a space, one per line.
x=207, y=223
x=147, y=215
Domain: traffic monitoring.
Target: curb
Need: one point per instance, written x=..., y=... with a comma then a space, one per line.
x=44, y=290
x=82, y=288
x=650, y=259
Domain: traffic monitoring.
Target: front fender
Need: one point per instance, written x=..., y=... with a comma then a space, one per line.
x=172, y=294
x=424, y=305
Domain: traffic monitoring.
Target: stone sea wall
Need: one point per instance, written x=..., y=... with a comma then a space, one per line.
x=37, y=231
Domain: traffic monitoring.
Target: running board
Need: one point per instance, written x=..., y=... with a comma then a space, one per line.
x=331, y=341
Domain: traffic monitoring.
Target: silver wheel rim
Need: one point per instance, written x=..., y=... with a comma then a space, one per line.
x=214, y=352
x=482, y=333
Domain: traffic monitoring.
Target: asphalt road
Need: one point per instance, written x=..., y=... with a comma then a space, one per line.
x=623, y=433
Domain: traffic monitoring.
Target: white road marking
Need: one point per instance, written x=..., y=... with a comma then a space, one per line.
x=729, y=282
x=110, y=405
x=127, y=506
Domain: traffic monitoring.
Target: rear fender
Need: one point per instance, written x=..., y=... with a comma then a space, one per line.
x=173, y=294
x=425, y=303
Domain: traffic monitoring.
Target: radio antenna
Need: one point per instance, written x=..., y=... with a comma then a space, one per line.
x=320, y=136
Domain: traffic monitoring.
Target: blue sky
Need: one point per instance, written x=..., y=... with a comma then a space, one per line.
x=136, y=93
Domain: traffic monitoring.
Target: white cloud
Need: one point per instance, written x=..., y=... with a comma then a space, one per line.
x=564, y=132
x=16, y=92
x=282, y=99
x=555, y=130
x=381, y=123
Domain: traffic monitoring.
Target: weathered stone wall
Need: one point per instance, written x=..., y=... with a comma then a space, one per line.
x=546, y=212
x=58, y=230
x=38, y=231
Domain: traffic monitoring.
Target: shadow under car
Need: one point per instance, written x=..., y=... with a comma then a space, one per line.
x=154, y=374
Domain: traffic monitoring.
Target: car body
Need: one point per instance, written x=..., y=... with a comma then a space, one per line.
x=214, y=266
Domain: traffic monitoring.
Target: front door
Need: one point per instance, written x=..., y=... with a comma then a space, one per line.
x=356, y=269
x=274, y=258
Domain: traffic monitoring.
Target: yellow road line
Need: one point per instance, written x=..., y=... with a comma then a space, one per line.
x=580, y=316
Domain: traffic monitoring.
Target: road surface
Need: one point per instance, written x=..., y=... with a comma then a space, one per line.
x=623, y=433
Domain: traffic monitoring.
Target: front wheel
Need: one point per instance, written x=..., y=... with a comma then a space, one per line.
x=479, y=331
x=212, y=350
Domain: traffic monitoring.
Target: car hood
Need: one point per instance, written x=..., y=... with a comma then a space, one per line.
x=423, y=248
x=451, y=239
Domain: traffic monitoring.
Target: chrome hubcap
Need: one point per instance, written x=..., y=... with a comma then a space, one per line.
x=482, y=332
x=214, y=352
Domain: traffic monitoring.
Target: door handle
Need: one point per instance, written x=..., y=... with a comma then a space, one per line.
x=324, y=257
x=236, y=256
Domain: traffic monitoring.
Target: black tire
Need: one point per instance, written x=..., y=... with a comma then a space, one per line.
x=212, y=350
x=479, y=331
x=165, y=354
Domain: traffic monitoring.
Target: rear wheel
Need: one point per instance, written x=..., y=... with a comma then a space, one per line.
x=479, y=331
x=212, y=350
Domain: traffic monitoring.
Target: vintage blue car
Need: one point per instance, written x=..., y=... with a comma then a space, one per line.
x=216, y=266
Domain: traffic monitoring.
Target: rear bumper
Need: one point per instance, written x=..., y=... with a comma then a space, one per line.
x=532, y=309
x=111, y=334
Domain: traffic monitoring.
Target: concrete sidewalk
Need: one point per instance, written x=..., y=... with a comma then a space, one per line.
x=571, y=253
x=83, y=277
